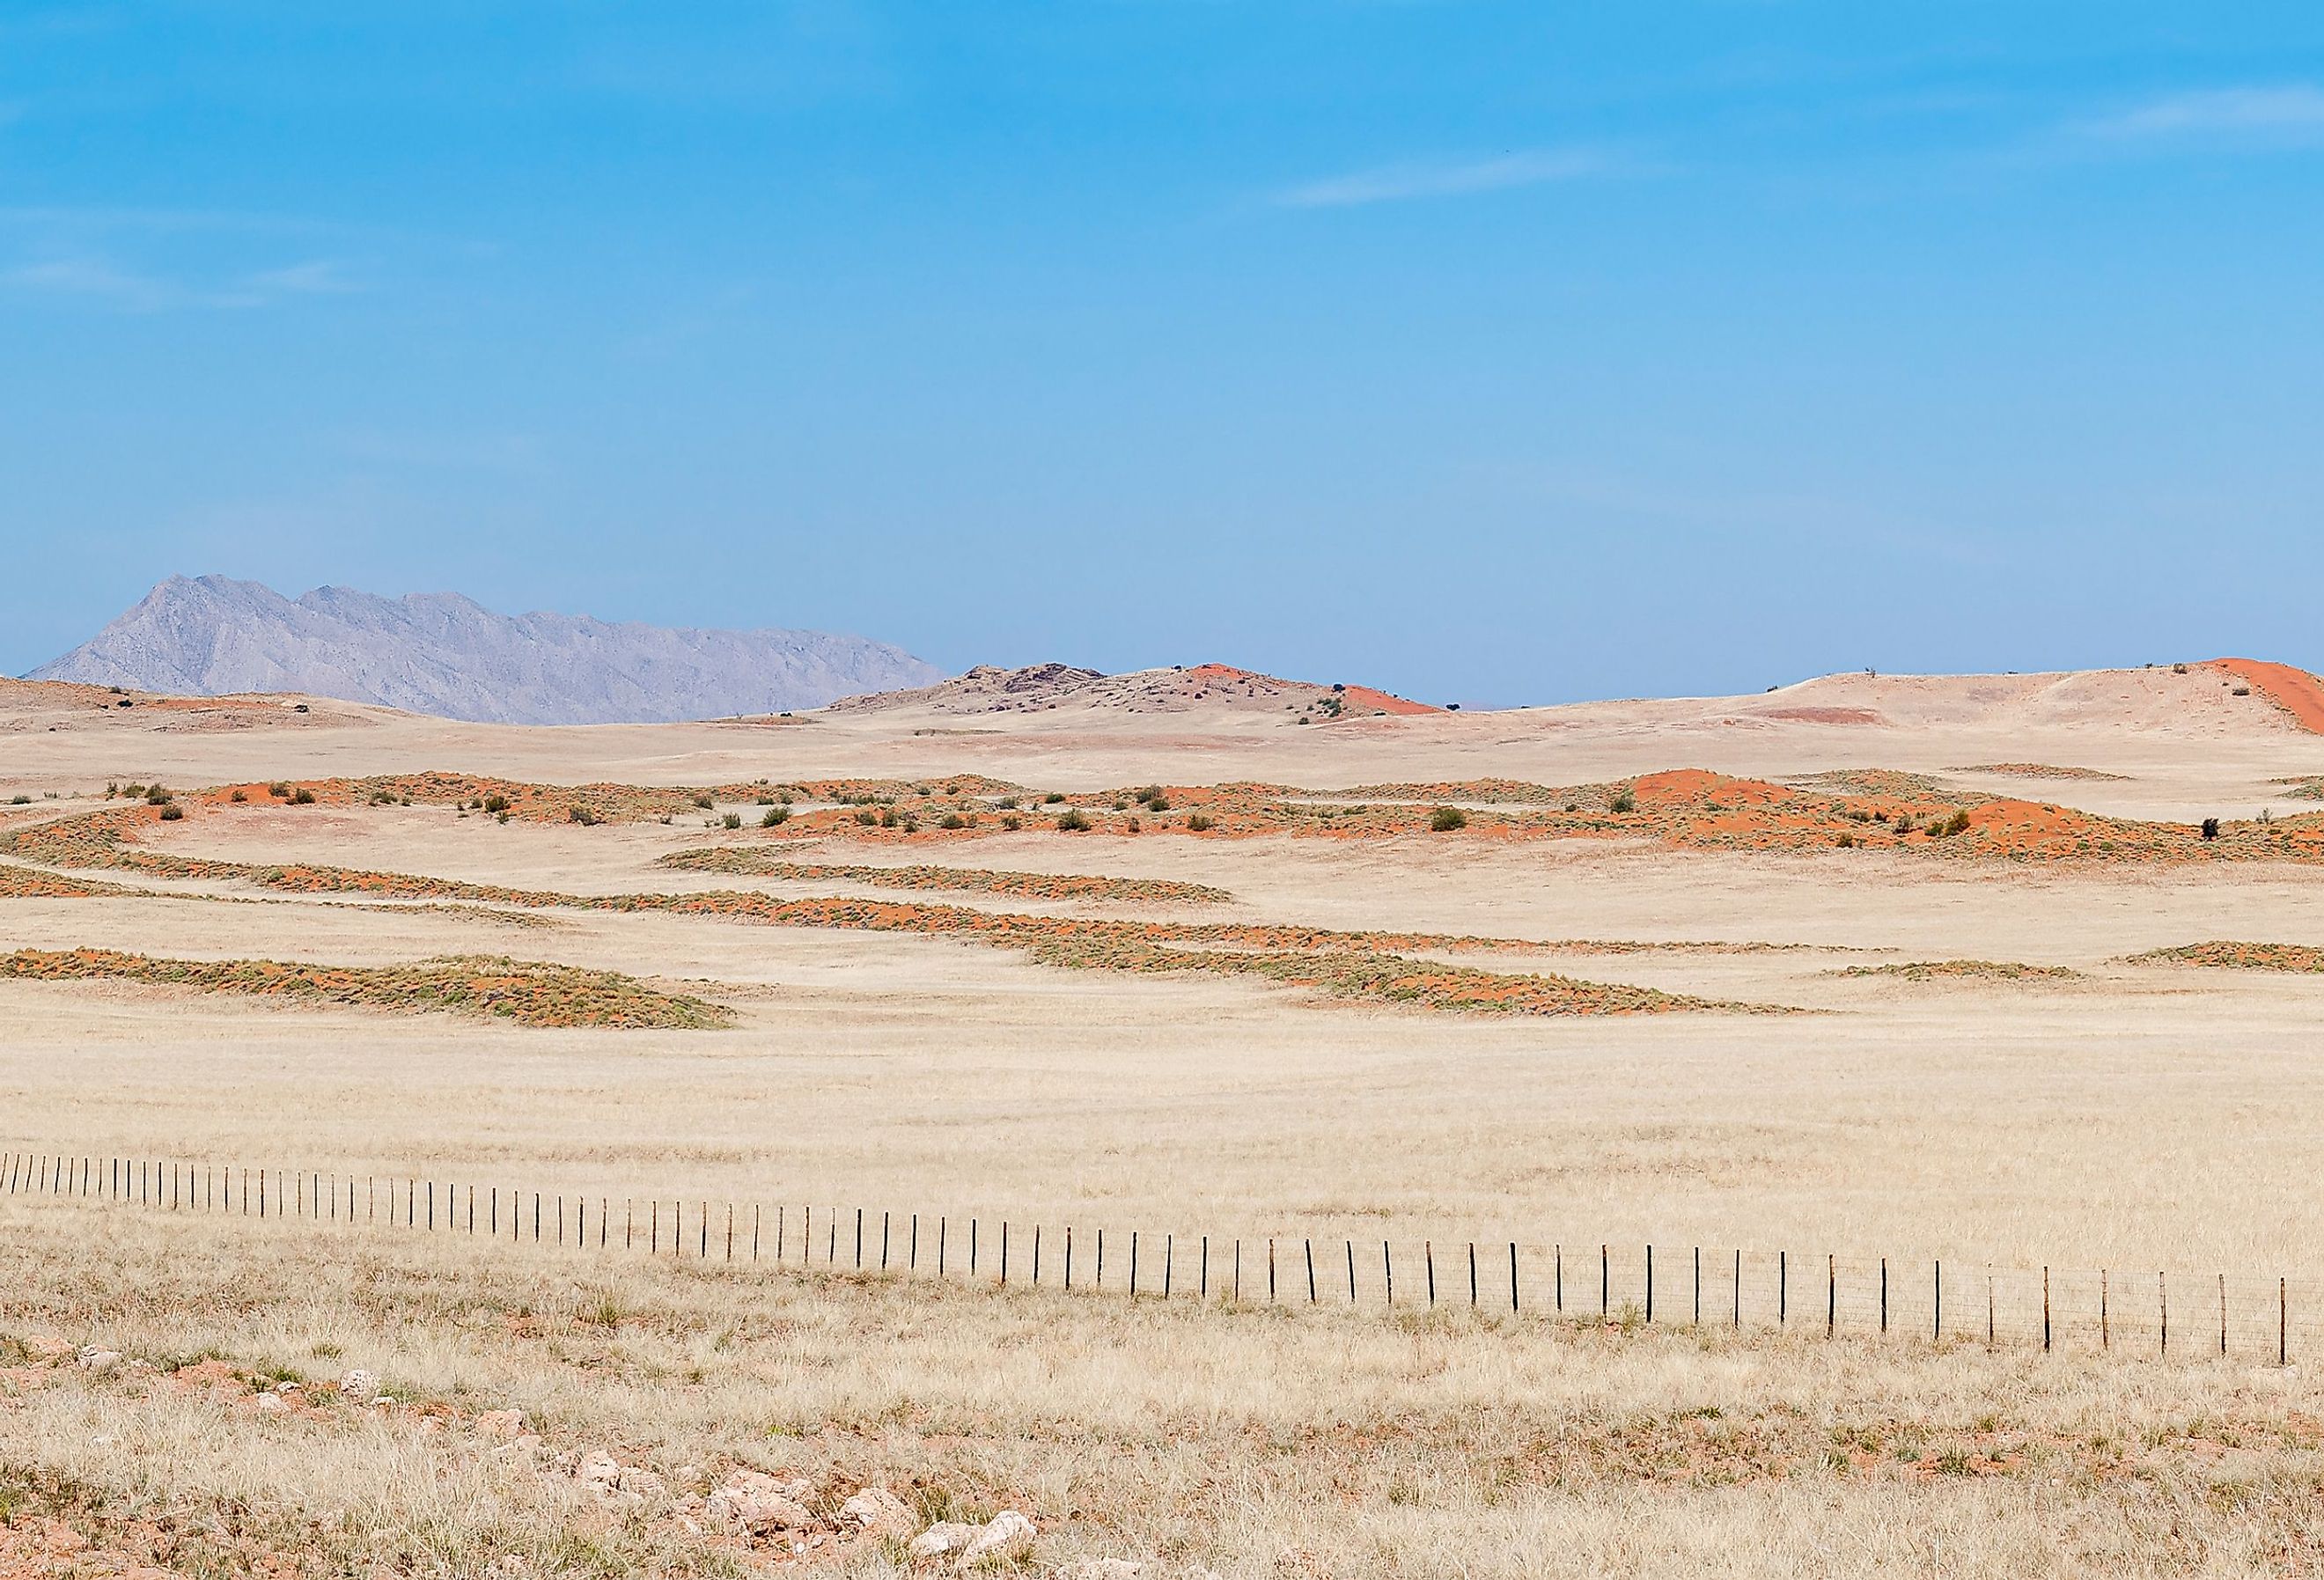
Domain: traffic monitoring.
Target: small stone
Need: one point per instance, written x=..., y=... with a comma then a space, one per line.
x=360, y=1385
x=286, y=1389
x=877, y=1511
x=1005, y=1535
x=504, y=1423
x=96, y=1359
x=273, y=1404
x=944, y=1536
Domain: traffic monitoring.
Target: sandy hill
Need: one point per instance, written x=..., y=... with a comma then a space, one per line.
x=2219, y=696
x=1203, y=689
x=442, y=654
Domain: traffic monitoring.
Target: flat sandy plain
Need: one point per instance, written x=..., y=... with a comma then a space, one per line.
x=2135, y=1116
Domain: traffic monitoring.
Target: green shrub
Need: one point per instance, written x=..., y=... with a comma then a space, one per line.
x=1071, y=821
x=19, y=800
x=953, y=820
x=1052, y=798
x=279, y=790
x=171, y=812
x=583, y=815
x=1200, y=823
x=238, y=797
x=703, y=802
x=1446, y=819
x=1957, y=823
x=888, y=816
x=1007, y=803
x=1158, y=802
x=732, y=820
x=776, y=816
x=866, y=816
x=1623, y=801
x=495, y=805
x=1011, y=821
x=156, y=795
x=303, y=797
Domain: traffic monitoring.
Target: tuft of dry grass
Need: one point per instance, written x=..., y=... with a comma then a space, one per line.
x=963, y=879
x=2229, y=954
x=529, y=992
x=1966, y=970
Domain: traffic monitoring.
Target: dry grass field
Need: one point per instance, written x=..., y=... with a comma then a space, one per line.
x=1843, y=995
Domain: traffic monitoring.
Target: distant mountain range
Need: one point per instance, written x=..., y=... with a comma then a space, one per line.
x=443, y=654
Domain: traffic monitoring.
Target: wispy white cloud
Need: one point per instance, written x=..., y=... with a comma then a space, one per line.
x=2290, y=112
x=102, y=282
x=1398, y=183
x=316, y=277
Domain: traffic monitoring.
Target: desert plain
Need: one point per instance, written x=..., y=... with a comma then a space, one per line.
x=1915, y=1023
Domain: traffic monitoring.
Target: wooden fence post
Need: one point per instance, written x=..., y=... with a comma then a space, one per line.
x=2045, y=1310
x=1351, y=1272
x=1738, y=1288
x=2163, y=1298
x=1650, y=1283
x=1605, y=1282
x=1133, y=1264
x=1388, y=1274
x=1428, y=1255
x=1937, y=1322
x=2223, y=1314
x=1310, y=1246
x=1513, y=1275
x=2282, y=1323
x=2105, y=1327
x=1884, y=1294
x=1831, y=1295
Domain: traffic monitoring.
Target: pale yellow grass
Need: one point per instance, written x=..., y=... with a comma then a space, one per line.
x=1423, y=1446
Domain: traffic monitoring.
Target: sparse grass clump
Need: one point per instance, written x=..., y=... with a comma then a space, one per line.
x=1446, y=819
x=529, y=992
x=1072, y=821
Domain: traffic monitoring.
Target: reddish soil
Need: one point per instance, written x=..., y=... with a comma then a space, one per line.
x=2294, y=690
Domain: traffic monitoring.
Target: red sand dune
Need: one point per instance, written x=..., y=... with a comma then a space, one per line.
x=2294, y=690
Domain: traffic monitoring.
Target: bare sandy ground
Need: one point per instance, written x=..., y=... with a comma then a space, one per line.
x=2142, y=1111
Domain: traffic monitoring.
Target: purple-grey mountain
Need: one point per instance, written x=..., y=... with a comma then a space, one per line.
x=443, y=654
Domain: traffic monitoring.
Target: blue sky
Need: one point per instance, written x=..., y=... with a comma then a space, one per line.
x=1486, y=351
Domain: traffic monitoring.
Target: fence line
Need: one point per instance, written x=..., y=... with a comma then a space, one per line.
x=2054, y=1307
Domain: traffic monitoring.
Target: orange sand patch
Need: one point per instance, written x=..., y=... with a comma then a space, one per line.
x=2294, y=690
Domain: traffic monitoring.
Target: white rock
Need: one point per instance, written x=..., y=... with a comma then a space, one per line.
x=760, y=1503
x=359, y=1385
x=878, y=1511
x=95, y=1359
x=944, y=1536
x=273, y=1404
x=1006, y=1534
x=598, y=1468
x=505, y=1424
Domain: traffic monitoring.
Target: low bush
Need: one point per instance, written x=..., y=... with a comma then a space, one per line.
x=583, y=815
x=1071, y=821
x=279, y=790
x=1446, y=819
x=495, y=805
x=1623, y=801
x=172, y=812
x=732, y=820
x=303, y=797
x=776, y=816
x=1199, y=823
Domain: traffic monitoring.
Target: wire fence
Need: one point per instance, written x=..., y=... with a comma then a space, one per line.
x=2163, y=1312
